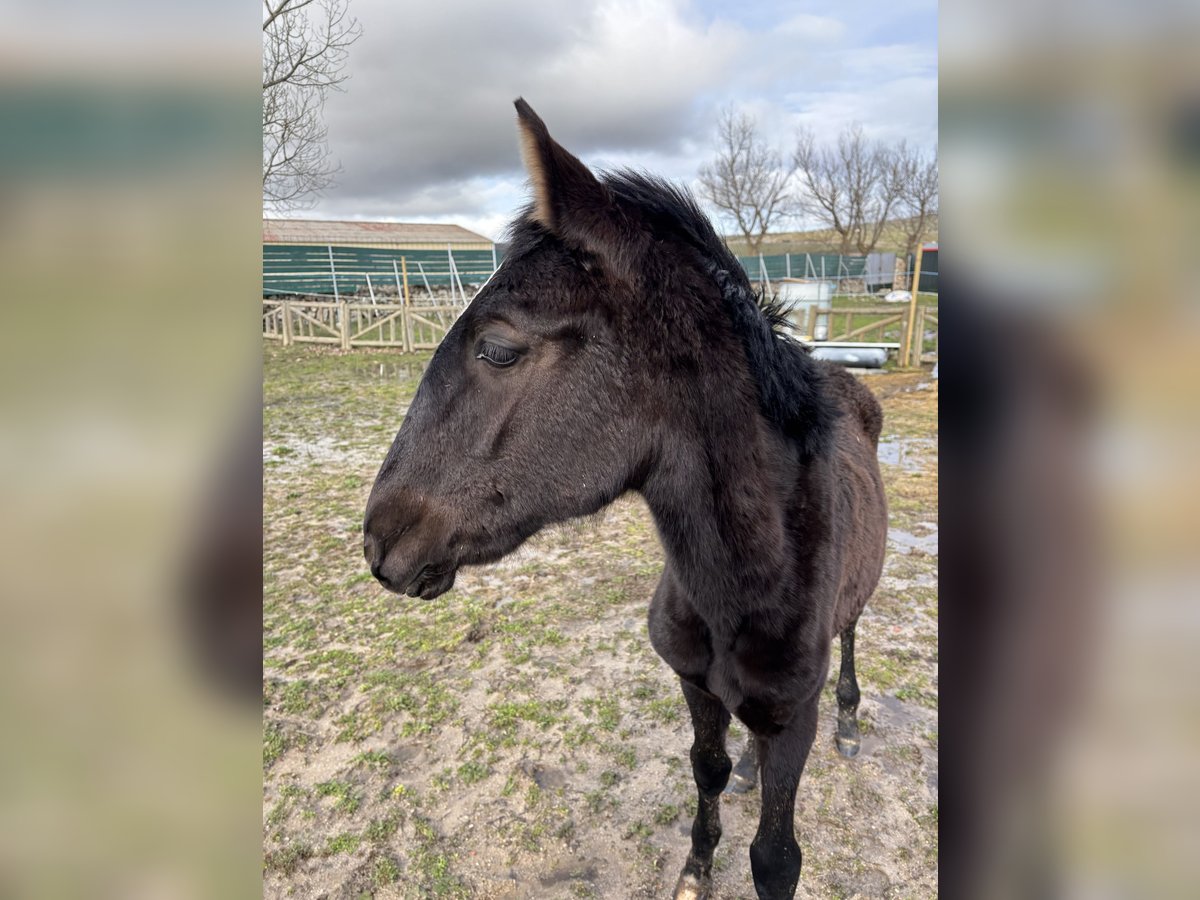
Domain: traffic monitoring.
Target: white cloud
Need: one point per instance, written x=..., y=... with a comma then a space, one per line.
x=426, y=130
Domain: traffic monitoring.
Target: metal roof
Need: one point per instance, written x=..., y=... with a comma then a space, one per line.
x=316, y=231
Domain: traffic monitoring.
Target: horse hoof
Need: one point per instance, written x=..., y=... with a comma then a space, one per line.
x=739, y=784
x=848, y=747
x=690, y=887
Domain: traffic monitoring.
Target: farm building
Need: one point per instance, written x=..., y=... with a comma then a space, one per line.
x=308, y=256
x=929, y=269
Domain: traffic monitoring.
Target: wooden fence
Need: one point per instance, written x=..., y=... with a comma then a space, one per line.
x=885, y=326
x=351, y=324
x=408, y=326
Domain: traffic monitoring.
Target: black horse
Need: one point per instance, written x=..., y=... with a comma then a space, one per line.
x=619, y=348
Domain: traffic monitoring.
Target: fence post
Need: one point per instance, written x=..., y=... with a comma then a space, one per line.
x=912, y=307
x=406, y=335
x=344, y=323
x=332, y=272
x=919, y=335
x=287, y=323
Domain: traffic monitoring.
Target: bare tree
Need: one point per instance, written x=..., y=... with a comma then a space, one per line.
x=306, y=44
x=850, y=187
x=748, y=180
x=918, y=201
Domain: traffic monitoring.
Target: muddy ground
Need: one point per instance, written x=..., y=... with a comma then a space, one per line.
x=518, y=737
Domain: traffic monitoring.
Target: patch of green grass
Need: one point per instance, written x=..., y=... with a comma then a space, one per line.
x=426, y=700
x=301, y=697
x=377, y=759
x=533, y=796
x=356, y=726
x=285, y=860
x=385, y=871
x=381, y=829
x=666, y=814
x=473, y=772
x=442, y=780
x=578, y=736
x=638, y=829
x=345, y=799
x=506, y=717
x=598, y=800
x=274, y=743
x=605, y=710
x=431, y=863
x=664, y=710
x=346, y=842
x=278, y=812
x=624, y=755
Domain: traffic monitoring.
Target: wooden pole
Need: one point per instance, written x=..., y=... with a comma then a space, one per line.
x=344, y=323
x=919, y=334
x=407, y=323
x=332, y=272
x=287, y=323
x=912, y=309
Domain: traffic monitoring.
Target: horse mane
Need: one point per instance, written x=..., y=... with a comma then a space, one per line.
x=792, y=389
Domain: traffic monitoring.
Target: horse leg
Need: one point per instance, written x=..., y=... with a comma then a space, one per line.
x=710, y=766
x=745, y=771
x=847, y=739
x=774, y=854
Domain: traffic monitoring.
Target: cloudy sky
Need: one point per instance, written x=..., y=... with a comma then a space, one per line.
x=425, y=130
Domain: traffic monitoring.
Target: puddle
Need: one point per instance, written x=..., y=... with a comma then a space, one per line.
x=909, y=454
x=895, y=713
x=892, y=717
x=906, y=540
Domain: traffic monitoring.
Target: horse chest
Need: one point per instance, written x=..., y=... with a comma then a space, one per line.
x=755, y=675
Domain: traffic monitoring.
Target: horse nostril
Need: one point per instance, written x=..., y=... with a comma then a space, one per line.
x=371, y=553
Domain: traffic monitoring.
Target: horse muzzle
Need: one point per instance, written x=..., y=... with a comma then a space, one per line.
x=404, y=546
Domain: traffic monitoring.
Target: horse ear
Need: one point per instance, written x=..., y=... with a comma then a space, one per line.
x=568, y=200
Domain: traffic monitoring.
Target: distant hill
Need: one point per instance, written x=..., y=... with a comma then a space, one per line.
x=825, y=240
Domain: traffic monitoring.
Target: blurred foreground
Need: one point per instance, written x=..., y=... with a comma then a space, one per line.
x=129, y=411
x=1071, y=174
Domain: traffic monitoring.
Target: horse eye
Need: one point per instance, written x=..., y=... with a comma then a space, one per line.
x=496, y=355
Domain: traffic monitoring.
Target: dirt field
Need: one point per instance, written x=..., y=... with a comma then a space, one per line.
x=518, y=737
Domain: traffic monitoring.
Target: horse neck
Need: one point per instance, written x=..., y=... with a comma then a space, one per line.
x=720, y=502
